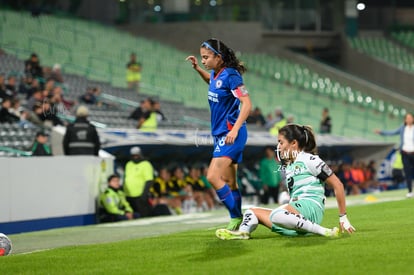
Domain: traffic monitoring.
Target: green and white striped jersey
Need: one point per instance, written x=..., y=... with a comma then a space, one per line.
x=305, y=176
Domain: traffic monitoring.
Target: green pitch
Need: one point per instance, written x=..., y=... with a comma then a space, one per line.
x=382, y=244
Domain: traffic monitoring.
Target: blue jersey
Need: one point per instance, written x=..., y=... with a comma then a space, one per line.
x=223, y=97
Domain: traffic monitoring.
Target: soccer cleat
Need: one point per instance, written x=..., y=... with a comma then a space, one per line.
x=409, y=195
x=234, y=224
x=226, y=234
x=334, y=232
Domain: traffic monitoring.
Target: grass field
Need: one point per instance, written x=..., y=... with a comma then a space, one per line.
x=383, y=244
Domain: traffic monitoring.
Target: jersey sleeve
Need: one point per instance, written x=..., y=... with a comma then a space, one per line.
x=318, y=167
x=236, y=85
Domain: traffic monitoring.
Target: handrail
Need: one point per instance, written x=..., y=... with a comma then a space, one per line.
x=120, y=100
x=72, y=119
x=15, y=151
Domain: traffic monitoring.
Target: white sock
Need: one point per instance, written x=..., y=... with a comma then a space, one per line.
x=249, y=223
x=286, y=219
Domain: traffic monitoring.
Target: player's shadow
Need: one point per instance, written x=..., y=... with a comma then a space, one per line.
x=304, y=241
x=216, y=249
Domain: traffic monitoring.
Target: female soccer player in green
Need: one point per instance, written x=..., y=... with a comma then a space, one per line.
x=305, y=176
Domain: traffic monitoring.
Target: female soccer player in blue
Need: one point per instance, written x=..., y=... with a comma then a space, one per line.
x=228, y=120
x=305, y=177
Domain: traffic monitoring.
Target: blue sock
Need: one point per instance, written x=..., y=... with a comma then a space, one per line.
x=231, y=199
x=226, y=197
x=238, y=202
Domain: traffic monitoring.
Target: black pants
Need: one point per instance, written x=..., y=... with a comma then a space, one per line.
x=271, y=192
x=408, y=162
x=140, y=205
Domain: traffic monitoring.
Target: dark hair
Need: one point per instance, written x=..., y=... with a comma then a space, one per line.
x=112, y=177
x=405, y=117
x=302, y=134
x=229, y=58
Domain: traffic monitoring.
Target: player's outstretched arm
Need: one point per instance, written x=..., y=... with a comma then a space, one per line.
x=340, y=198
x=194, y=62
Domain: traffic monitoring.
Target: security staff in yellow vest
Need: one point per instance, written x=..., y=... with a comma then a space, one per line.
x=113, y=204
x=133, y=74
x=150, y=124
x=138, y=178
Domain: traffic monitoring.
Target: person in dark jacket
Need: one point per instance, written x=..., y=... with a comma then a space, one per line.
x=81, y=137
x=40, y=146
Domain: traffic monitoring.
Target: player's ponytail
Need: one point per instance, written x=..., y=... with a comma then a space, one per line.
x=229, y=57
x=302, y=134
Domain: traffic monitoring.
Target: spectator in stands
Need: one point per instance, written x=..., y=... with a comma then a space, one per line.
x=5, y=115
x=81, y=137
x=11, y=86
x=138, y=178
x=89, y=97
x=28, y=85
x=113, y=205
x=40, y=145
x=36, y=98
x=33, y=116
x=274, y=130
x=271, y=121
x=133, y=74
x=326, y=122
x=157, y=109
x=48, y=115
x=57, y=97
x=48, y=89
x=406, y=132
x=145, y=116
x=270, y=176
x=5, y=92
x=32, y=66
x=56, y=73
x=256, y=117
x=2, y=86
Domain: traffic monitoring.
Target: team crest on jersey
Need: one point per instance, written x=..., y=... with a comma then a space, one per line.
x=219, y=83
x=297, y=170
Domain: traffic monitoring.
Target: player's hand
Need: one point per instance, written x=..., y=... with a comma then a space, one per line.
x=231, y=137
x=193, y=60
x=346, y=225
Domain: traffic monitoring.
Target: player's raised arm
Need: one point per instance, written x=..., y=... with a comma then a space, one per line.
x=340, y=198
x=204, y=74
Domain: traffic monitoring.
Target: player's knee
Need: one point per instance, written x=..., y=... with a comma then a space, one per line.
x=212, y=177
x=277, y=216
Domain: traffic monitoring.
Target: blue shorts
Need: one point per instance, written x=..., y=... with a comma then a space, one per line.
x=233, y=151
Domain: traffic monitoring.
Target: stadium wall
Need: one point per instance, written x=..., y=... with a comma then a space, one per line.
x=40, y=193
